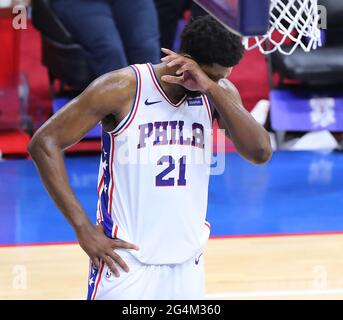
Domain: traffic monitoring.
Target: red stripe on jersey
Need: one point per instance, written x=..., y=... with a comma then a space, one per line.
x=100, y=184
x=208, y=108
x=115, y=232
x=111, y=176
x=99, y=194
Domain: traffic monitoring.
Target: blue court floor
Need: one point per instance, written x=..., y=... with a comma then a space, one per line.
x=297, y=192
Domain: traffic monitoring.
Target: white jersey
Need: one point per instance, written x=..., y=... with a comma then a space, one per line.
x=154, y=174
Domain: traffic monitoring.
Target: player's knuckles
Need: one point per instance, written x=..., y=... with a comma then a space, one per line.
x=180, y=61
x=109, y=252
x=183, y=61
x=115, y=244
x=191, y=66
x=92, y=251
x=100, y=250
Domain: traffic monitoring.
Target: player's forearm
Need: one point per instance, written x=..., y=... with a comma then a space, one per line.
x=250, y=138
x=50, y=164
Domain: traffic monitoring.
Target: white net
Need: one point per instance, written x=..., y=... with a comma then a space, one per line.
x=291, y=21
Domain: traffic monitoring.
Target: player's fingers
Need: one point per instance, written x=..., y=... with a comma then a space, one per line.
x=168, y=59
x=178, y=61
x=168, y=51
x=115, y=257
x=170, y=55
x=109, y=262
x=172, y=79
x=96, y=262
x=184, y=68
x=120, y=244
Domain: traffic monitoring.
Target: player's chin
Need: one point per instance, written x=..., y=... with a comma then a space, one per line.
x=193, y=94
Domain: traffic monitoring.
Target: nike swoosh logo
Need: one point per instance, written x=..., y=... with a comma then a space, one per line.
x=197, y=260
x=147, y=103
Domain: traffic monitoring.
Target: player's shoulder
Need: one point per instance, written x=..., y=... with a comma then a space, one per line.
x=228, y=85
x=115, y=85
x=121, y=79
x=124, y=74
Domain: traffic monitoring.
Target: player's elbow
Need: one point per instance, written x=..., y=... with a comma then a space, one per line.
x=34, y=146
x=262, y=154
x=37, y=145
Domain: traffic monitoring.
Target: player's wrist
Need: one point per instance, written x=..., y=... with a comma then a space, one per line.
x=210, y=87
x=82, y=225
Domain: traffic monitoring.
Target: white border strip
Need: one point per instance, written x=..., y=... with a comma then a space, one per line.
x=261, y=294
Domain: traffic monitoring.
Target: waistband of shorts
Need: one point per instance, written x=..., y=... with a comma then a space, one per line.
x=129, y=257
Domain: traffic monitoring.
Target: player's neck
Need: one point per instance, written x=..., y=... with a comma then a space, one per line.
x=174, y=92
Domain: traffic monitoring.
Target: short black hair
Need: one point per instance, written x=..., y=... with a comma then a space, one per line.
x=208, y=42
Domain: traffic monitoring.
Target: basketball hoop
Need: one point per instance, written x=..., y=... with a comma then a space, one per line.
x=294, y=21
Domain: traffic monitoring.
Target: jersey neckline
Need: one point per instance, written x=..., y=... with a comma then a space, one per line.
x=160, y=88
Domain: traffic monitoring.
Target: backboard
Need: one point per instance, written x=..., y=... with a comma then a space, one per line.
x=246, y=17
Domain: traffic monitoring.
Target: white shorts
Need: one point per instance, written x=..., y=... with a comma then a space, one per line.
x=184, y=281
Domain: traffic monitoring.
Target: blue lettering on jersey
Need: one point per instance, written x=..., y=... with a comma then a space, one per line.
x=162, y=133
x=196, y=102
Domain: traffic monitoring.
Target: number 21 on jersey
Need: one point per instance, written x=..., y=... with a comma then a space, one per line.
x=161, y=181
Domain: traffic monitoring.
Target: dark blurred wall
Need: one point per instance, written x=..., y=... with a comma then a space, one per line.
x=169, y=14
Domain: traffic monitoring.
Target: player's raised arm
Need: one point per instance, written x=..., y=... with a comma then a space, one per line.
x=250, y=138
x=111, y=94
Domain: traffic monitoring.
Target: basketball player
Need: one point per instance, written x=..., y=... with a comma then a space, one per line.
x=151, y=229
